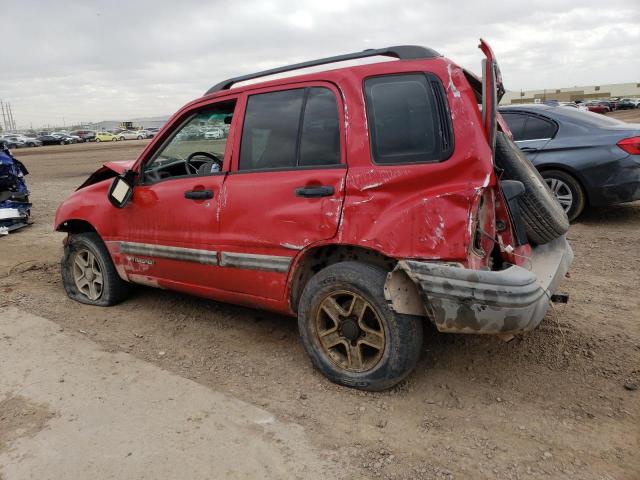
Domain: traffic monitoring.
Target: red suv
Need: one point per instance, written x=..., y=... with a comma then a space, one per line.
x=362, y=200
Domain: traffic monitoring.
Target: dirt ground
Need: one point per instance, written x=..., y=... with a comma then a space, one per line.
x=559, y=402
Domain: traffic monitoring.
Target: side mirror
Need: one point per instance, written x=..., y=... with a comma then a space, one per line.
x=121, y=189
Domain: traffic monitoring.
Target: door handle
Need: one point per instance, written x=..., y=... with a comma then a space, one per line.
x=528, y=149
x=314, y=192
x=198, y=194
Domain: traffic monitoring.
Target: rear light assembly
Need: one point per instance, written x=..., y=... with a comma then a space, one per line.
x=630, y=145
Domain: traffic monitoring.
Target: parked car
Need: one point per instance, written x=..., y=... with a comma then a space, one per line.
x=12, y=141
x=213, y=133
x=626, y=104
x=53, y=140
x=417, y=227
x=131, y=135
x=577, y=106
x=585, y=159
x=148, y=133
x=597, y=107
x=66, y=137
x=28, y=141
x=85, y=135
x=106, y=137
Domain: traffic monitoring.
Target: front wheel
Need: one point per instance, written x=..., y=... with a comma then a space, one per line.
x=349, y=331
x=88, y=273
x=567, y=191
x=98, y=140
x=115, y=139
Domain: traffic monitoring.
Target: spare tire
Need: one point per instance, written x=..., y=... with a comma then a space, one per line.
x=544, y=219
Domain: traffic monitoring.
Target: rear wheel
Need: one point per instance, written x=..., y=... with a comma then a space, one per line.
x=349, y=331
x=62, y=142
x=88, y=273
x=567, y=191
x=115, y=139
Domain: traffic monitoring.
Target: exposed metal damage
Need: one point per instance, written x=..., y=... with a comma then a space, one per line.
x=15, y=207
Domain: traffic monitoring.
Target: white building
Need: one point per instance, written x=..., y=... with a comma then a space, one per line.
x=622, y=90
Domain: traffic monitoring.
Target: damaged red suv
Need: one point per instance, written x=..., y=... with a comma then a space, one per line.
x=364, y=200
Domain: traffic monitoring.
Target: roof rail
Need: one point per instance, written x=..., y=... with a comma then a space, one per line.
x=401, y=52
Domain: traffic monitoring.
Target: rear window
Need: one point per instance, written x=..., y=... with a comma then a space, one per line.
x=408, y=119
x=529, y=127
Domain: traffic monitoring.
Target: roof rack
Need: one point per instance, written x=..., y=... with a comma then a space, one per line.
x=401, y=52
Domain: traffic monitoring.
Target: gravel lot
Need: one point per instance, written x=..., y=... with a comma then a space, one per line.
x=558, y=402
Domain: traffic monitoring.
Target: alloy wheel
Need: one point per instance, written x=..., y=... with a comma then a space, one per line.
x=350, y=331
x=561, y=191
x=87, y=274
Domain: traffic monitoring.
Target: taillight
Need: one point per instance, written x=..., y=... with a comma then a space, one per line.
x=630, y=145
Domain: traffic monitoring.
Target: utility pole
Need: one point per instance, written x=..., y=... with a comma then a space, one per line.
x=4, y=118
x=13, y=122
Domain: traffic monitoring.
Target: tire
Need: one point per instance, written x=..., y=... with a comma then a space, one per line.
x=62, y=142
x=98, y=140
x=544, y=219
x=565, y=185
x=114, y=139
x=401, y=338
x=113, y=289
x=140, y=137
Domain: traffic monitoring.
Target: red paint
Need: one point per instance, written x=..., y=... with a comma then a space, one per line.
x=420, y=211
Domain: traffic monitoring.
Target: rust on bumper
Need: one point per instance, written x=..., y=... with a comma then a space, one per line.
x=461, y=300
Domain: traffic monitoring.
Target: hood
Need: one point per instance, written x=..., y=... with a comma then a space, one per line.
x=108, y=170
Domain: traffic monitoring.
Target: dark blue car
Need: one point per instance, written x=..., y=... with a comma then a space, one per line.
x=586, y=159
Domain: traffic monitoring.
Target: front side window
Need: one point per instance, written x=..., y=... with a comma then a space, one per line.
x=408, y=119
x=290, y=129
x=197, y=148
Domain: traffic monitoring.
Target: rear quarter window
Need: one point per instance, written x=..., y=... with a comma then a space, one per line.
x=408, y=118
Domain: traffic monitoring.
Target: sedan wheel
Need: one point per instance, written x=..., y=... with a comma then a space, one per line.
x=567, y=191
x=114, y=139
x=98, y=140
x=562, y=192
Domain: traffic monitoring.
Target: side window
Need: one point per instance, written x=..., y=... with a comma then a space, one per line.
x=537, y=128
x=289, y=129
x=197, y=148
x=270, y=132
x=320, y=140
x=516, y=123
x=408, y=119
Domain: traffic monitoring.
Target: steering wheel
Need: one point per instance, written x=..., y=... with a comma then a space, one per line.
x=193, y=170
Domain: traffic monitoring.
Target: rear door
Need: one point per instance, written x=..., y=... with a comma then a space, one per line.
x=531, y=132
x=286, y=188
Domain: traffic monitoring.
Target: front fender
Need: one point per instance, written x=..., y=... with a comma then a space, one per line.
x=90, y=205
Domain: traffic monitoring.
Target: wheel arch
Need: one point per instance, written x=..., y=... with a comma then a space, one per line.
x=313, y=259
x=76, y=225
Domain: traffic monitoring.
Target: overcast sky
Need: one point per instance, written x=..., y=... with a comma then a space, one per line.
x=90, y=61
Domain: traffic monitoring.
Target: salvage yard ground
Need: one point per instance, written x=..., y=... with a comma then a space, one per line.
x=558, y=402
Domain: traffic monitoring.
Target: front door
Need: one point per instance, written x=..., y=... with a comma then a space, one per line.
x=286, y=188
x=170, y=227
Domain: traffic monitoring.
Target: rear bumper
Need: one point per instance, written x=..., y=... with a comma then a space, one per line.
x=509, y=301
